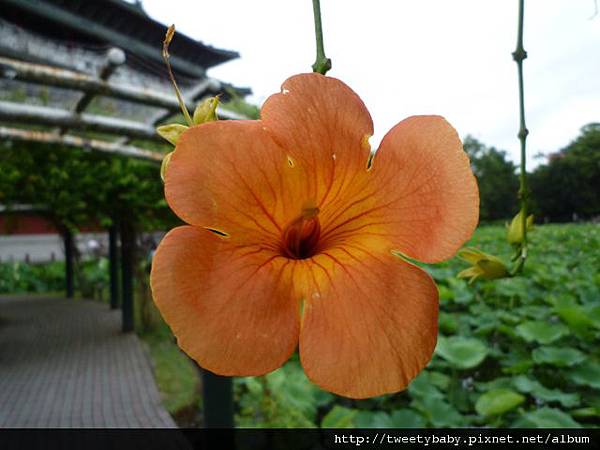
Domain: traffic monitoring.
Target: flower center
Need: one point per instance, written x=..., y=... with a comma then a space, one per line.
x=301, y=236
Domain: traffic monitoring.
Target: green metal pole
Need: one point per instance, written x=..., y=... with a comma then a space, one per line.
x=69, y=278
x=113, y=256
x=127, y=261
x=218, y=400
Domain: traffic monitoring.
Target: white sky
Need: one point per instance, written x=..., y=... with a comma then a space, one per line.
x=406, y=57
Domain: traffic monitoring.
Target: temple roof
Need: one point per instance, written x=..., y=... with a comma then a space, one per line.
x=113, y=23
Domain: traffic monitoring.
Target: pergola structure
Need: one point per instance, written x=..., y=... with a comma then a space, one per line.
x=91, y=65
x=99, y=67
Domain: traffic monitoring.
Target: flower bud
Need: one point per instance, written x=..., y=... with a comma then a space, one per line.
x=206, y=111
x=164, y=164
x=171, y=132
x=515, y=229
x=484, y=265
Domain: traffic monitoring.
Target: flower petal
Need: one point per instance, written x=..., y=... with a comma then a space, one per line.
x=427, y=195
x=324, y=126
x=369, y=322
x=231, y=176
x=231, y=308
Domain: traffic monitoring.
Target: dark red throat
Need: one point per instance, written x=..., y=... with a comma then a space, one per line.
x=301, y=237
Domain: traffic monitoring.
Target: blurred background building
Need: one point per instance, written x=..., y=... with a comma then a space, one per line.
x=88, y=74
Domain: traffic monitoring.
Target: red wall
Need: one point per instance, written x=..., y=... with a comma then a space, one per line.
x=31, y=223
x=25, y=223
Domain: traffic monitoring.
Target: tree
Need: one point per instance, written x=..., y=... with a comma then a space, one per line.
x=569, y=184
x=78, y=188
x=497, y=180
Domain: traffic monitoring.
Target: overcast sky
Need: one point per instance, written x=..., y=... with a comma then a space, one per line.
x=403, y=57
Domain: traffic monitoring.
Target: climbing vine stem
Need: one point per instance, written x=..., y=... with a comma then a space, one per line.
x=165, y=55
x=519, y=55
x=322, y=63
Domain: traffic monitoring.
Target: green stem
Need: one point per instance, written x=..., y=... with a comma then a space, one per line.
x=322, y=63
x=165, y=54
x=519, y=55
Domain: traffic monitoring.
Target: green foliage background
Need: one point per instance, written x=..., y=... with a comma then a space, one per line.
x=75, y=188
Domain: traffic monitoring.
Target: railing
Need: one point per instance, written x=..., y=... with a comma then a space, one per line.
x=76, y=119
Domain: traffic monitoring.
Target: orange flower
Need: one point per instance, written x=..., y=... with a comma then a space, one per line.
x=290, y=239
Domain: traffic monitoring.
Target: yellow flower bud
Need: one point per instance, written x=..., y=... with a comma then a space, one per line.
x=515, y=229
x=171, y=132
x=484, y=265
x=206, y=111
x=164, y=164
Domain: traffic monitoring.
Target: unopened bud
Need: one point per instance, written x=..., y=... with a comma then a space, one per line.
x=164, y=164
x=171, y=132
x=484, y=265
x=206, y=111
x=515, y=229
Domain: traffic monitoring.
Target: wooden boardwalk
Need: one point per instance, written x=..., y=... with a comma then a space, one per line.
x=65, y=363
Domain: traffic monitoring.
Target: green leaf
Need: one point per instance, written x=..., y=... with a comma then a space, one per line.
x=516, y=362
x=373, y=419
x=445, y=294
x=542, y=332
x=496, y=383
x=575, y=316
x=594, y=315
x=462, y=294
x=588, y=374
x=439, y=412
x=558, y=356
x=422, y=386
x=539, y=391
x=407, y=418
x=339, y=417
x=534, y=312
x=439, y=379
x=586, y=412
x=546, y=418
x=171, y=132
x=447, y=323
x=460, y=352
x=293, y=392
x=253, y=385
x=498, y=402
x=283, y=398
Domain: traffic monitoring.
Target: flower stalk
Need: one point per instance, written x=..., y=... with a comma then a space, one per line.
x=165, y=55
x=322, y=63
x=519, y=55
x=488, y=266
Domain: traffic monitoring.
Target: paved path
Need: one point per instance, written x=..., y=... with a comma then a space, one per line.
x=65, y=363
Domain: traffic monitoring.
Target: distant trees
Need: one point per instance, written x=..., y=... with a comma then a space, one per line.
x=568, y=185
x=497, y=179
